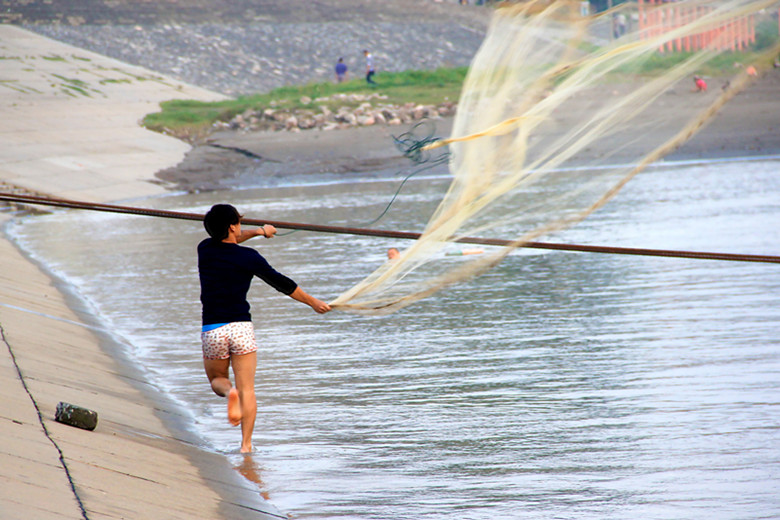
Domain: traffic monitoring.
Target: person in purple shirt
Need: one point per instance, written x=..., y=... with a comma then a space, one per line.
x=341, y=70
x=226, y=270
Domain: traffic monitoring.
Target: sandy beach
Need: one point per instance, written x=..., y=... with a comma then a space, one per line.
x=142, y=461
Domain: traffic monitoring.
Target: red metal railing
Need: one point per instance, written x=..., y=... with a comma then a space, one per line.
x=657, y=17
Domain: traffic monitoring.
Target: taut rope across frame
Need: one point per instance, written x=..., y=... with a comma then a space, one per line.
x=406, y=235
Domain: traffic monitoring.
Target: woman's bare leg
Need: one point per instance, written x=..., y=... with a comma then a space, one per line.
x=217, y=372
x=244, y=367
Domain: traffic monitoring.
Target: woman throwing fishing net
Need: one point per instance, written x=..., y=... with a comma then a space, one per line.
x=226, y=270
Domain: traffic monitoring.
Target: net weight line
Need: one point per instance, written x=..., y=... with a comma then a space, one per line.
x=402, y=235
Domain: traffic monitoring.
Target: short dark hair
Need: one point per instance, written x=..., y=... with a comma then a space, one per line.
x=219, y=219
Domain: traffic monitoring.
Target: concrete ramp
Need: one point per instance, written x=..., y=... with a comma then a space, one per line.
x=70, y=121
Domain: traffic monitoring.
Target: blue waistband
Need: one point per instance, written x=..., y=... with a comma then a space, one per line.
x=212, y=326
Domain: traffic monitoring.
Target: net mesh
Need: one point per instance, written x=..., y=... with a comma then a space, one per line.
x=553, y=121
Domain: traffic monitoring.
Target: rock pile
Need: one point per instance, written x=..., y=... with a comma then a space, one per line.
x=354, y=110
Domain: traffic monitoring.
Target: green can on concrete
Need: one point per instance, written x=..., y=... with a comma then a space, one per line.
x=76, y=416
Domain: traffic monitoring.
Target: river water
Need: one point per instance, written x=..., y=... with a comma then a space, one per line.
x=558, y=385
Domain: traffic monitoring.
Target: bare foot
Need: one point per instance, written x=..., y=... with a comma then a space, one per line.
x=246, y=449
x=234, y=407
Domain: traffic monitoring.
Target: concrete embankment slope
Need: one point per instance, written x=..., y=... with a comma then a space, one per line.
x=69, y=128
x=134, y=464
x=70, y=123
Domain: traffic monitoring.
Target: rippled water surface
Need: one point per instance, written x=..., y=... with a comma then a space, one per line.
x=558, y=385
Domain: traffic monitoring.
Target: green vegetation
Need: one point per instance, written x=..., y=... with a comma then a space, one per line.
x=190, y=118
x=71, y=85
x=109, y=80
x=722, y=64
x=767, y=33
x=13, y=85
x=76, y=89
x=72, y=81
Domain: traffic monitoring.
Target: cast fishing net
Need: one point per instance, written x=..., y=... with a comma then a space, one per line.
x=557, y=113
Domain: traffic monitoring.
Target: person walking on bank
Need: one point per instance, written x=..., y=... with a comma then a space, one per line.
x=226, y=270
x=370, y=71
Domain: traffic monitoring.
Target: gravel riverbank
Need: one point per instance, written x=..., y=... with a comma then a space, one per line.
x=238, y=56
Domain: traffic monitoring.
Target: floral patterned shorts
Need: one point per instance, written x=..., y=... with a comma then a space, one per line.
x=233, y=339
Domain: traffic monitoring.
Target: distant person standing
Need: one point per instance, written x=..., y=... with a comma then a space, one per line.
x=341, y=70
x=370, y=71
x=623, y=23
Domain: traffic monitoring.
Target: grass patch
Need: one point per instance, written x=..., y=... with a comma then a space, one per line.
x=722, y=64
x=77, y=85
x=72, y=81
x=76, y=88
x=107, y=81
x=191, y=118
x=12, y=84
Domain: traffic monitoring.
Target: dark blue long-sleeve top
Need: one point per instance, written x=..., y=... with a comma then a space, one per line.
x=226, y=271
